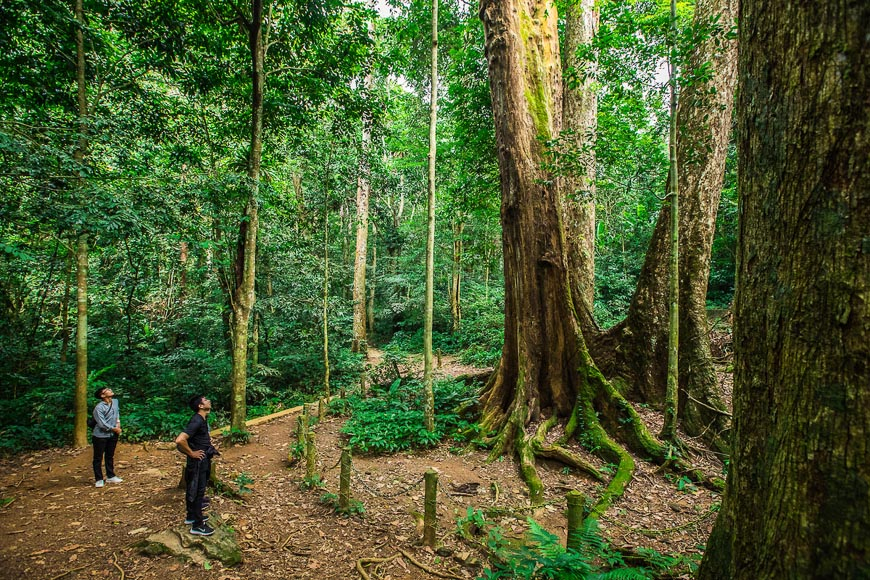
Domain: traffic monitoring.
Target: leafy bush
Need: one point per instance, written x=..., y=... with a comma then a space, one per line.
x=393, y=419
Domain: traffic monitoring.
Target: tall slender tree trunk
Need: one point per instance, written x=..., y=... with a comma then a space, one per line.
x=669, y=425
x=255, y=342
x=371, y=283
x=797, y=501
x=363, y=189
x=326, y=386
x=579, y=124
x=80, y=436
x=634, y=352
x=456, y=278
x=429, y=412
x=244, y=295
x=64, y=308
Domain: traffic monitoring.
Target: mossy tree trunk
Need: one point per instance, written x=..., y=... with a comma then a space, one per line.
x=546, y=374
x=244, y=295
x=634, y=353
x=797, y=502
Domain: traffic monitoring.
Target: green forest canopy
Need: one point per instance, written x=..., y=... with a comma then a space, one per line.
x=161, y=190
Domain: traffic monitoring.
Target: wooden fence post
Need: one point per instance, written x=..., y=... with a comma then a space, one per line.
x=344, y=481
x=576, y=503
x=430, y=521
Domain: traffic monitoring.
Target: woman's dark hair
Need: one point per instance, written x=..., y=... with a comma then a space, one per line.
x=99, y=392
x=194, y=402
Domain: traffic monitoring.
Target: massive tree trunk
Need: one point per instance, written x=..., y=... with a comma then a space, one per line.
x=635, y=351
x=80, y=433
x=579, y=124
x=244, y=295
x=797, y=503
x=545, y=374
x=536, y=369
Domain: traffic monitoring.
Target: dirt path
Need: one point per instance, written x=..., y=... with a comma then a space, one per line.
x=58, y=523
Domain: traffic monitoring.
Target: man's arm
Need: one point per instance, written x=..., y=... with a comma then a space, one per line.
x=182, y=445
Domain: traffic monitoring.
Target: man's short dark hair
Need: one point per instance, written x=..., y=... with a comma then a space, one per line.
x=194, y=402
x=99, y=392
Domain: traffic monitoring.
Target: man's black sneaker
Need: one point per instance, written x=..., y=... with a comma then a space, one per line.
x=189, y=521
x=203, y=530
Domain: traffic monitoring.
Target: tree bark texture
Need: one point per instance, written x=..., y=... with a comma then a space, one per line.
x=244, y=294
x=636, y=349
x=580, y=123
x=797, y=502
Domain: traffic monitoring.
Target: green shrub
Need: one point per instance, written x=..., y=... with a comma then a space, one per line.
x=393, y=419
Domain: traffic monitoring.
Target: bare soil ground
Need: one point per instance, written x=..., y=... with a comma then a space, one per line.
x=58, y=525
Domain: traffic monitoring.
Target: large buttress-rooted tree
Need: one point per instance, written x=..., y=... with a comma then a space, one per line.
x=545, y=375
x=636, y=350
x=797, y=502
x=245, y=265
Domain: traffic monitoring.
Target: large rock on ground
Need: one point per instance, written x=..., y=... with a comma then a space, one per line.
x=178, y=541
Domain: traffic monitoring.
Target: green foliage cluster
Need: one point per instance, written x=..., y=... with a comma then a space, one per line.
x=356, y=507
x=243, y=480
x=541, y=554
x=392, y=418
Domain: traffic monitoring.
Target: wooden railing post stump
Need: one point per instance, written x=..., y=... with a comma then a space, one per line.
x=430, y=516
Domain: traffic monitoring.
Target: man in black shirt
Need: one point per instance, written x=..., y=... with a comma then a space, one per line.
x=195, y=442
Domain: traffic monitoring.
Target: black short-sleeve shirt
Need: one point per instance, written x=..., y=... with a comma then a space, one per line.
x=197, y=433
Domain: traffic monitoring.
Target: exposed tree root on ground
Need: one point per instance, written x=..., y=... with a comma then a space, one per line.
x=363, y=562
x=600, y=416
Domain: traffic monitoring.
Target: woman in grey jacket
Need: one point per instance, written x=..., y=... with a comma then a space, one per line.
x=105, y=436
